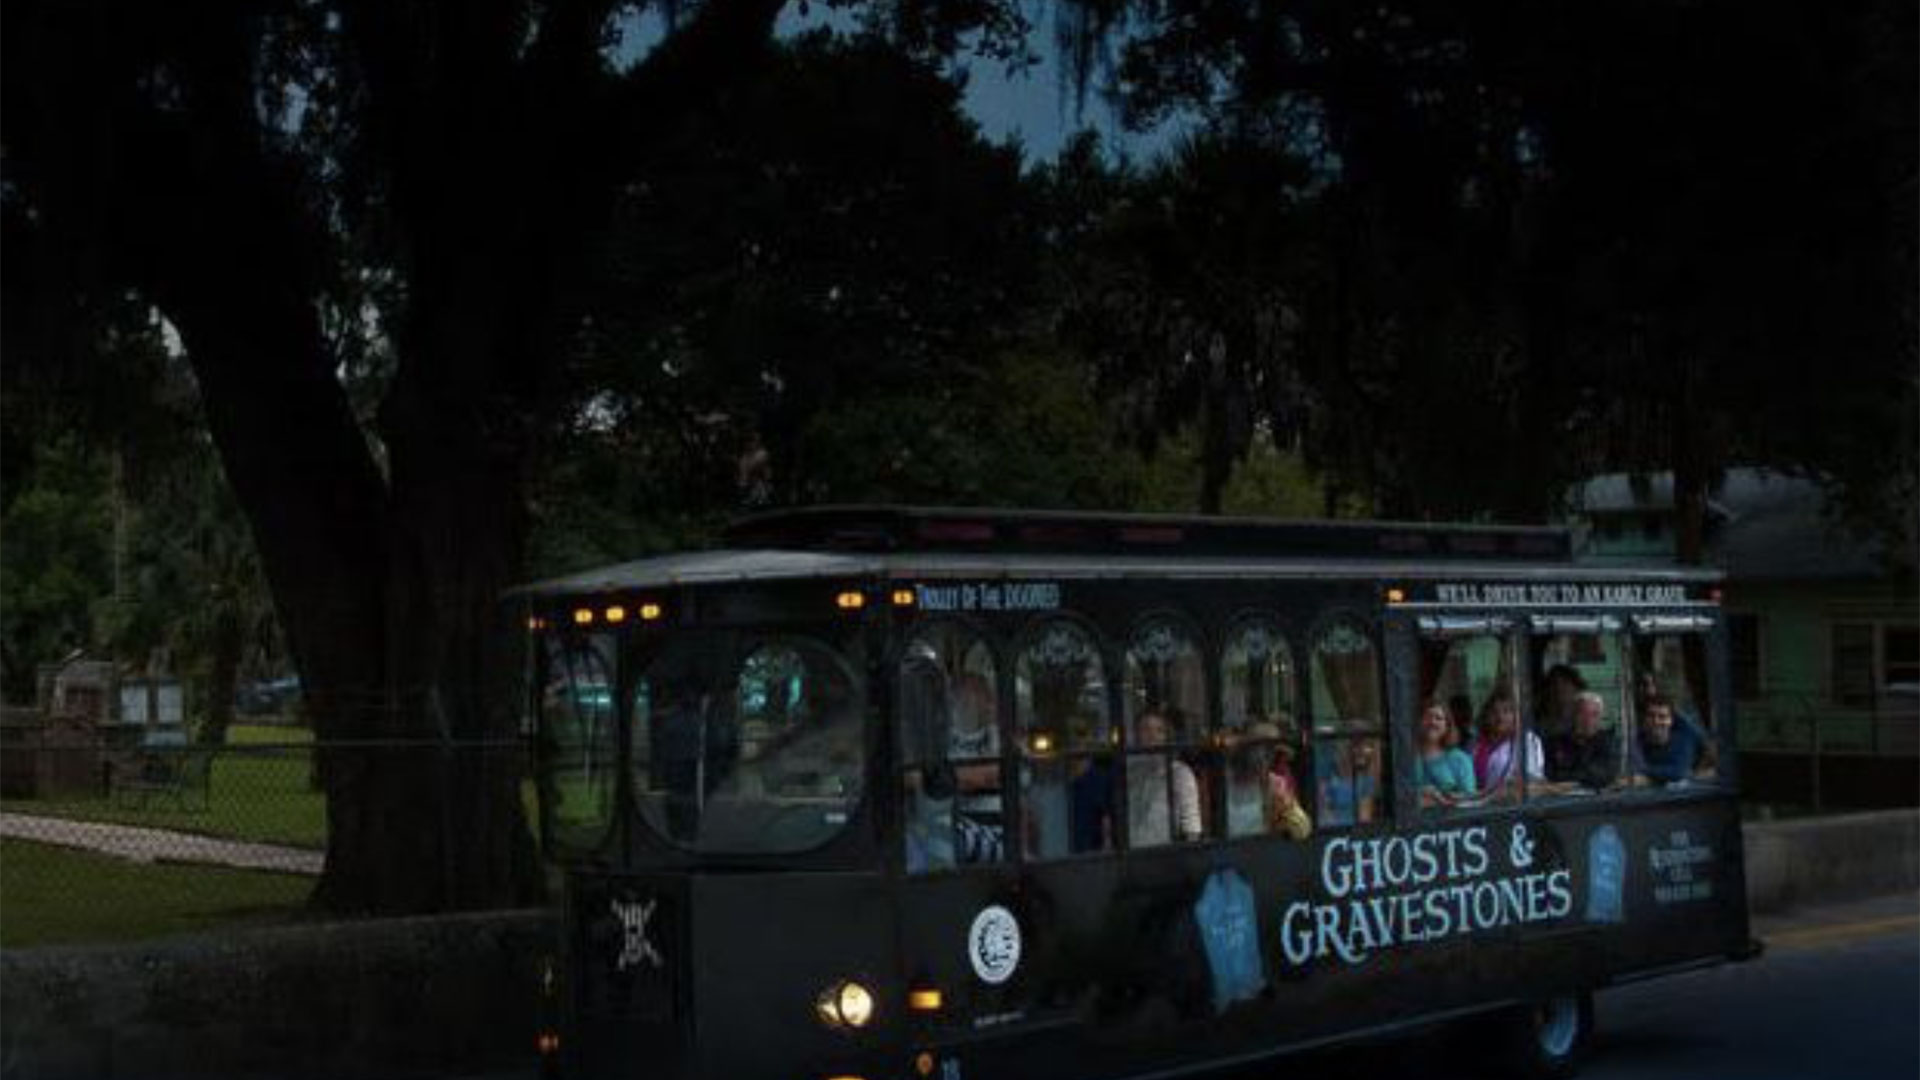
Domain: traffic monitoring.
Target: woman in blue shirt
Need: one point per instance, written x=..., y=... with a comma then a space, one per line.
x=1443, y=772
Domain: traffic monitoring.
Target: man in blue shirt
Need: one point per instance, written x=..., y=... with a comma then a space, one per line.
x=1670, y=749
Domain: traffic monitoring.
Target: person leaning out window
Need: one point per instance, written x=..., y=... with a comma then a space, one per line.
x=1443, y=772
x=1671, y=748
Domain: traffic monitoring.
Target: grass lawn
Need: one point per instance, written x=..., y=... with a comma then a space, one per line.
x=268, y=735
x=260, y=789
x=54, y=895
x=255, y=792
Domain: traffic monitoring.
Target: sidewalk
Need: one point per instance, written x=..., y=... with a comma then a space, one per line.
x=1850, y=920
x=143, y=844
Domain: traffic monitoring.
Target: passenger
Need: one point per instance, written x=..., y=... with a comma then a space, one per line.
x=925, y=730
x=1347, y=792
x=1443, y=772
x=1460, y=711
x=1247, y=780
x=676, y=764
x=1153, y=780
x=979, y=822
x=1645, y=687
x=1493, y=751
x=1263, y=795
x=1090, y=804
x=1587, y=756
x=1558, y=691
x=1670, y=749
x=1284, y=813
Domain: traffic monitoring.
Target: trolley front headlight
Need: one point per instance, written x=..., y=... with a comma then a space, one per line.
x=845, y=1005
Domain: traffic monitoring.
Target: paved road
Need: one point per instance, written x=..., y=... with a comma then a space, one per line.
x=1836, y=997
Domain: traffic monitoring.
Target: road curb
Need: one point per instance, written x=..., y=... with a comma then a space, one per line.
x=1830, y=859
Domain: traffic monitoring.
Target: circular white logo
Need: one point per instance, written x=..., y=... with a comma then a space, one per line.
x=994, y=944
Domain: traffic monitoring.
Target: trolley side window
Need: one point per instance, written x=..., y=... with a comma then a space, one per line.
x=1349, y=745
x=950, y=750
x=1259, y=732
x=1580, y=709
x=1675, y=738
x=579, y=739
x=1467, y=731
x=1067, y=777
x=1169, y=776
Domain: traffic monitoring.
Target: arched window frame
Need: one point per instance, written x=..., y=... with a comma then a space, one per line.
x=1337, y=740
x=952, y=838
x=1049, y=756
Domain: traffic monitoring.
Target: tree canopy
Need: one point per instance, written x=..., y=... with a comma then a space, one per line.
x=469, y=291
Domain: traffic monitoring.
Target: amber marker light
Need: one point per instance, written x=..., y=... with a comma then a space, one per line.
x=583, y=616
x=616, y=614
x=903, y=598
x=649, y=612
x=850, y=601
x=923, y=1063
x=924, y=999
x=1396, y=596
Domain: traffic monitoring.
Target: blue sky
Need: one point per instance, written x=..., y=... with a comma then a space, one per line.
x=1034, y=105
x=1037, y=107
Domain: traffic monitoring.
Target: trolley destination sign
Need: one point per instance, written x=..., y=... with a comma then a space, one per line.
x=988, y=596
x=1558, y=594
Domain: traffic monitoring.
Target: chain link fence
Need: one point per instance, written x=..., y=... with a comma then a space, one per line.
x=1802, y=752
x=122, y=836
x=1800, y=721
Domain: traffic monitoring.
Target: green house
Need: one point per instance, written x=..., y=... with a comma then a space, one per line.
x=1825, y=637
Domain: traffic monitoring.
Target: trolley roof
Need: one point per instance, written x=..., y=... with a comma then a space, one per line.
x=937, y=543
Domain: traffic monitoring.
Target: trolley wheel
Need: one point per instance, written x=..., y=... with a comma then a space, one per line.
x=1546, y=1039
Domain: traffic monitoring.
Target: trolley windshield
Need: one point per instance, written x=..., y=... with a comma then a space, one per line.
x=747, y=745
x=735, y=743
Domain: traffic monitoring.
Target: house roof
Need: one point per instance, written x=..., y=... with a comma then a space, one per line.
x=1762, y=525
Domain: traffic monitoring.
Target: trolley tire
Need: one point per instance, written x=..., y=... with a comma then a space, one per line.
x=1546, y=1039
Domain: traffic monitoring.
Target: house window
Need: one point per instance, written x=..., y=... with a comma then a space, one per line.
x=1900, y=648
x=1743, y=647
x=1869, y=658
x=1853, y=682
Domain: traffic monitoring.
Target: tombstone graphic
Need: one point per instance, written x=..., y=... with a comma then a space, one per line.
x=1230, y=935
x=1606, y=876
